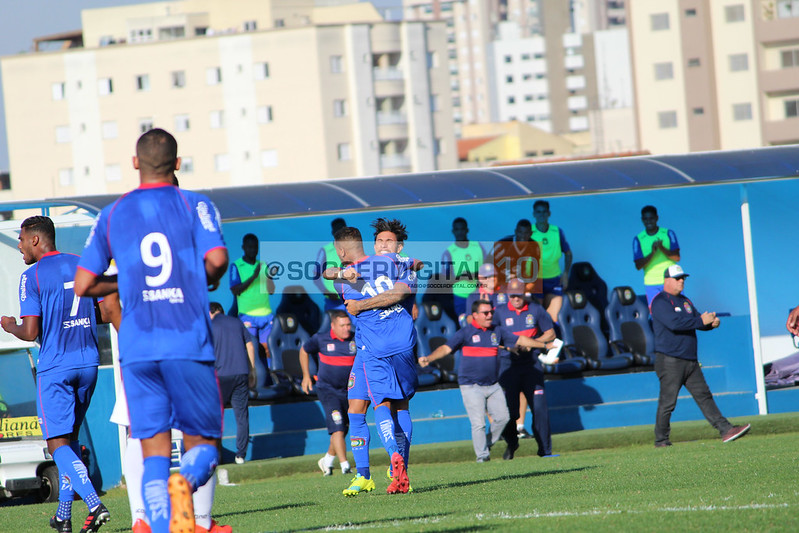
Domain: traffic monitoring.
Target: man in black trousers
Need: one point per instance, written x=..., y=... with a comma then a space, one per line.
x=675, y=321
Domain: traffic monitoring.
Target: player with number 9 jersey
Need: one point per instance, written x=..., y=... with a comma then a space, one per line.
x=162, y=278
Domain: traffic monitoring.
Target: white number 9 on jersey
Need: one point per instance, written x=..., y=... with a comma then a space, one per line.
x=162, y=258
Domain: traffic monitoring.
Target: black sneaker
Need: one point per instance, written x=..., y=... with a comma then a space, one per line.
x=509, y=451
x=62, y=526
x=523, y=434
x=663, y=444
x=96, y=518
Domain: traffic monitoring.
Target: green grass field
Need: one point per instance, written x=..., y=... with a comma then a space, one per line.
x=604, y=480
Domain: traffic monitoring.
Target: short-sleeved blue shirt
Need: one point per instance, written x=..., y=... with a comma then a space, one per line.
x=230, y=345
x=158, y=236
x=479, y=349
x=530, y=321
x=68, y=333
x=335, y=358
x=381, y=332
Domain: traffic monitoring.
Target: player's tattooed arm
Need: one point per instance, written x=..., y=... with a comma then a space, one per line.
x=336, y=273
x=382, y=300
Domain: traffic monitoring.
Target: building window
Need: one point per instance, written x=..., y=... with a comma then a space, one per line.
x=261, y=71
x=694, y=62
x=511, y=99
x=698, y=111
x=143, y=82
x=178, y=79
x=690, y=12
x=336, y=64
x=659, y=21
x=58, y=90
x=110, y=129
x=734, y=13
x=65, y=177
x=186, y=164
x=742, y=111
x=739, y=62
x=339, y=108
x=508, y=79
x=105, y=86
x=250, y=25
x=113, y=173
x=787, y=8
x=525, y=57
x=432, y=59
x=508, y=59
x=181, y=122
x=434, y=103
x=437, y=146
x=279, y=23
x=790, y=58
x=217, y=119
x=343, y=150
x=667, y=119
x=171, y=32
x=528, y=97
x=527, y=77
x=664, y=71
x=263, y=114
x=221, y=162
x=62, y=134
x=269, y=158
x=791, y=108
x=213, y=75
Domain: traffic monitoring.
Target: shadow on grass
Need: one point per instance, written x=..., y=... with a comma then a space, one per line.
x=399, y=520
x=458, y=484
x=264, y=509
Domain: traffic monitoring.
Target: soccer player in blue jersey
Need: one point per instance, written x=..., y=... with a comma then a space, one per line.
x=385, y=338
x=168, y=247
x=390, y=237
x=68, y=359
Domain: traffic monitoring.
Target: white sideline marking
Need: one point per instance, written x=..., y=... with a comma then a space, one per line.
x=557, y=514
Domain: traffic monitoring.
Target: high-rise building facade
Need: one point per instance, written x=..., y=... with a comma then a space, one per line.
x=312, y=100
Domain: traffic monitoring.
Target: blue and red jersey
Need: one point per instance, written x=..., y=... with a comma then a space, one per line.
x=388, y=331
x=479, y=350
x=158, y=236
x=496, y=298
x=530, y=321
x=335, y=358
x=68, y=332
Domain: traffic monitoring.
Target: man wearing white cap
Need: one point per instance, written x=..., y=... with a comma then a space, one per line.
x=675, y=321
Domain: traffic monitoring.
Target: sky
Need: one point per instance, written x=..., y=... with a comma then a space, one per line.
x=23, y=20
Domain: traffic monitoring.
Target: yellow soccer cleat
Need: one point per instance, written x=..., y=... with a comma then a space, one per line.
x=359, y=484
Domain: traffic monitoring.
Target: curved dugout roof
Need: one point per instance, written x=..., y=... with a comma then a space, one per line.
x=547, y=179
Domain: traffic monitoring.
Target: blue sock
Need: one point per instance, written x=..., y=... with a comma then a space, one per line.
x=385, y=429
x=198, y=464
x=359, y=443
x=154, y=492
x=70, y=466
x=404, y=426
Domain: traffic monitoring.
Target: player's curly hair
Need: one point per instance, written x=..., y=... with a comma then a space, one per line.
x=394, y=226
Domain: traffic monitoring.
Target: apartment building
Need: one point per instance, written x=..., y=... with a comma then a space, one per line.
x=715, y=74
x=292, y=102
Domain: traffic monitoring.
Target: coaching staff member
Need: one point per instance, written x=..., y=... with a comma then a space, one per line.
x=675, y=321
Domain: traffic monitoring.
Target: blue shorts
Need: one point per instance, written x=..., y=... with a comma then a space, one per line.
x=356, y=386
x=553, y=286
x=391, y=378
x=63, y=398
x=259, y=326
x=177, y=393
x=334, y=403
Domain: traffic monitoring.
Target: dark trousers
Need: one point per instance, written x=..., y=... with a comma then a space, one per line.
x=673, y=373
x=235, y=391
x=529, y=379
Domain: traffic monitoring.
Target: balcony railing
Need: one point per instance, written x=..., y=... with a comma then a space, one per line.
x=391, y=73
x=395, y=161
x=391, y=117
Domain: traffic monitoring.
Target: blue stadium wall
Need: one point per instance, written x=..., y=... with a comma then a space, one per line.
x=600, y=228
